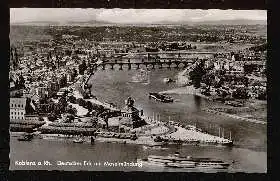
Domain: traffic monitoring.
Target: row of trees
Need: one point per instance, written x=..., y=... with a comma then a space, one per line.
x=47, y=106
x=14, y=58
x=63, y=80
x=19, y=82
x=87, y=105
x=82, y=67
x=262, y=47
x=197, y=74
x=93, y=109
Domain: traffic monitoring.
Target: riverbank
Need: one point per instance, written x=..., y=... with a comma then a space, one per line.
x=77, y=94
x=223, y=109
x=143, y=140
x=256, y=112
x=101, y=151
x=181, y=135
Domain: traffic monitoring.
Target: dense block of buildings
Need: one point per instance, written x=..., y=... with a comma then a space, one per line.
x=17, y=108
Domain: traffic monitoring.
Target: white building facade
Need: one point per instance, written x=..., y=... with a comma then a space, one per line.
x=17, y=108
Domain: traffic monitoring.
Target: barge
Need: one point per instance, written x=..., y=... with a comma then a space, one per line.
x=160, y=97
x=26, y=137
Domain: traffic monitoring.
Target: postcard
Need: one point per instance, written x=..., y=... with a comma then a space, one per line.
x=153, y=90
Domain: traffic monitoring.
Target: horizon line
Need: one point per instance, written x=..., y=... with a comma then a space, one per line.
x=132, y=23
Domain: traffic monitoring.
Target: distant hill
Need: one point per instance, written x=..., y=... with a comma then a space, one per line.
x=101, y=23
x=38, y=23
x=217, y=22
x=59, y=23
x=92, y=22
x=234, y=22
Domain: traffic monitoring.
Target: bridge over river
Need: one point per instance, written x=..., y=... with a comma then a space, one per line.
x=122, y=61
x=178, y=60
x=160, y=63
x=152, y=60
x=150, y=64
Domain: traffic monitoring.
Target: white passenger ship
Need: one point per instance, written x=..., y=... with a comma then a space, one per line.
x=176, y=161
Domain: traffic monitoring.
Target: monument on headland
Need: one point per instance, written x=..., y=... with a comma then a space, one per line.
x=131, y=116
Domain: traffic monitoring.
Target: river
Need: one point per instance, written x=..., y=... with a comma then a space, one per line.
x=114, y=86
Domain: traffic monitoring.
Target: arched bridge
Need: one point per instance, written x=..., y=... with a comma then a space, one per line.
x=136, y=65
x=172, y=59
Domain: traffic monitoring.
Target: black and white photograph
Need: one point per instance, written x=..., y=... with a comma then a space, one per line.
x=153, y=90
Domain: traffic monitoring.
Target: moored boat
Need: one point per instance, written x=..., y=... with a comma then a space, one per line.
x=160, y=97
x=78, y=140
x=234, y=103
x=167, y=80
x=92, y=140
x=26, y=137
x=155, y=147
x=228, y=143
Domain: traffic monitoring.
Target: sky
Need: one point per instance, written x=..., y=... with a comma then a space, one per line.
x=21, y=15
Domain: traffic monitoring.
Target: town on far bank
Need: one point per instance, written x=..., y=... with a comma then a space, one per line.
x=50, y=96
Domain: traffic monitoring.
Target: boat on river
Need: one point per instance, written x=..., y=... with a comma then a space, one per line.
x=177, y=161
x=25, y=137
x=79, y=140
x=92, y=140
x=160, y=97
x=167, y=80
x=154, y=147
x=234, y=103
